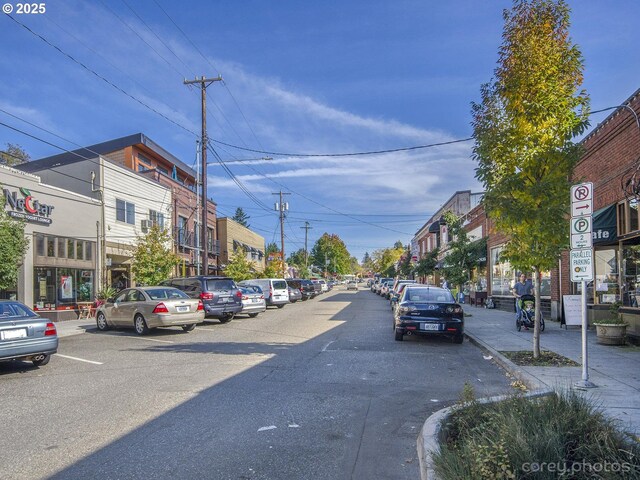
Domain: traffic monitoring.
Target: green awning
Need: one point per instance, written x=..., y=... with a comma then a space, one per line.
x=605, y=226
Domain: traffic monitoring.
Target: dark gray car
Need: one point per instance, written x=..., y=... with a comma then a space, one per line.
x=220, y=295
x=25, y=335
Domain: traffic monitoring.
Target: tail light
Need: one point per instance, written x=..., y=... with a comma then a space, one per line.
x=270, y=292
x=206, y=296
x=50, y=330
x=161, y=308
x=239, y=294
x=262, y=297
x=200, y=306
x=301, y=290
x=245, y=297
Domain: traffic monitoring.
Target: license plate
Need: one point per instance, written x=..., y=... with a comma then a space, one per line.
x=182, y=309
x=11, y=334
x=225, y=300
x=255, y=300
x=431, y=326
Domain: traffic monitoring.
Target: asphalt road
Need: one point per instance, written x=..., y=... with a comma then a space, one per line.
x=316, y=390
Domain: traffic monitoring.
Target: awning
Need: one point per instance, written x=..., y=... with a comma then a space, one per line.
x=435, y=227
x=605, y=226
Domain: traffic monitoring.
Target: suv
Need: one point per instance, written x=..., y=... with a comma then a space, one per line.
x=305, y=286
x=220, y=295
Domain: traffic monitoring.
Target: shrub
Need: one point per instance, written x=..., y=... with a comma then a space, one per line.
x=560, y=436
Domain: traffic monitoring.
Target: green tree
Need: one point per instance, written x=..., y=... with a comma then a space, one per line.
x=427, y=264
x=367, y=262
x=13, y=246
x=153, y=259
x=297, y=258
x=271, y=248
x=406, y=268
x=239, y=266
x=13, y=155
x=330, y=248
x=241, y=217
x=523, y=130
x=459, y=261
x=385, y=260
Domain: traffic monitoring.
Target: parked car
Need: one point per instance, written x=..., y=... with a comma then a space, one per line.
x=294, y=294
x=144, y=308
x=352, y=285
x=394, y=293
x=25, y=335
x=220, y=295
x=377, y=287
x=428, y=311
x=252, y=300
x=385, y=290
x=275, y=290
x=317, y=287
x=323, y=284
x=305, y=287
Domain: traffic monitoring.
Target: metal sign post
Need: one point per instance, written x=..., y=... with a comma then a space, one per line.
x=581, y=260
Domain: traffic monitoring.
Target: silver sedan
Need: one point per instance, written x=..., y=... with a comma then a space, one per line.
x=24, y=335
x=253, y=301
x=144, y=308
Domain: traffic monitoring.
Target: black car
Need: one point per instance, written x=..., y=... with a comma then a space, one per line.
x=221, y=296
x=428, y=311
x=306, y=287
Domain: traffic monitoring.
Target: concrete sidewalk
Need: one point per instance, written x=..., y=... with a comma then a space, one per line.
x=614, y=370
x=69, y=328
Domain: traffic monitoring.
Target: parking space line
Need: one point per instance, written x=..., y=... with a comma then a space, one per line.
x=148, y=339
x=78, y=359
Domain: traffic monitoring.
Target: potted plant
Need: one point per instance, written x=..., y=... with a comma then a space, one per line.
x=104, y=294
x=613, y=330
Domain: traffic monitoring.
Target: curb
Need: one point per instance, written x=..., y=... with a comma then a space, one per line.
x=428, y=442
x=532, y=382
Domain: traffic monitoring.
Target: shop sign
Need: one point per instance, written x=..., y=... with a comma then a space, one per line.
x=28, y=208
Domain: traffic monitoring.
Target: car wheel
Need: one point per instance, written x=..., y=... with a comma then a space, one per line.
x=458, y=338
x=140, y=325
x=253, y=315
x=189, y=328
x=399, y=336
x=101, y=322
x=227, y=318
x=518, y=324
x=281, y=305
x=41, y=360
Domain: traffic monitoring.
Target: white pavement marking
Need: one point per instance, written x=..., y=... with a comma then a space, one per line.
x=324, y=349
x=78, y=359
x=262, y=429
x=148, y=339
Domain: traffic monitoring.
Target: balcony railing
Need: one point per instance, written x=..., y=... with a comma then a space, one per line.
x=187, y=240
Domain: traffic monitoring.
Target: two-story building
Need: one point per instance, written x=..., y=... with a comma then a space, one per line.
x=234, y=237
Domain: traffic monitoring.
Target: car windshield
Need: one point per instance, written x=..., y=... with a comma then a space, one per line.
x=15, y=310
x=220, y=284
x=428, y=295
x=279, y=285
x=165, y=293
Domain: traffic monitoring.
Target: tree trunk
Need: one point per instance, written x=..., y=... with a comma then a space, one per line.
x=536, y=324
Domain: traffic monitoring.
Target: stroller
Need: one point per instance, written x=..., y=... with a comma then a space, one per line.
x=528, y=313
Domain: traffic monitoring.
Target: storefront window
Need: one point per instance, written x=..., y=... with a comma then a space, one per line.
x=545, y=284
x=62, y=248
x=71, y=248
x=40, y=245
x=606, y=278
x=80, y=250
x=88, y=251
x=51, y=247
x=501, y=274
x=59, y=287
x=631, y=278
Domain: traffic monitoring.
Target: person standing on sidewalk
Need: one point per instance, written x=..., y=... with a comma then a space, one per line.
x=522, y=287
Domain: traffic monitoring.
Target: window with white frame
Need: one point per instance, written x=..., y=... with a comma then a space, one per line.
x=502, y=275
x=125, y=212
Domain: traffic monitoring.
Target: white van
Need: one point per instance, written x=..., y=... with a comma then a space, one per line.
x=275, y=290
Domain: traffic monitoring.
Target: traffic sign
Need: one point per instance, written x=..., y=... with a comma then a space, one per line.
x=581, y=232
x=581, y=262
x=582, y=199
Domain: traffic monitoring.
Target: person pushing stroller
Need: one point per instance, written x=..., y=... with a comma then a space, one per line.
x=522, y=287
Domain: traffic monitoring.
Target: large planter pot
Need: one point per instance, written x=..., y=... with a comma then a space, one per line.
x=611, y=333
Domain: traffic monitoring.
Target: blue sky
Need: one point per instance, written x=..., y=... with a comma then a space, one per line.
x=300, y=78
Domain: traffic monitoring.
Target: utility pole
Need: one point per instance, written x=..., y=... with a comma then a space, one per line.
x=306, y=236
x=204, y=83
x=281, y=207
